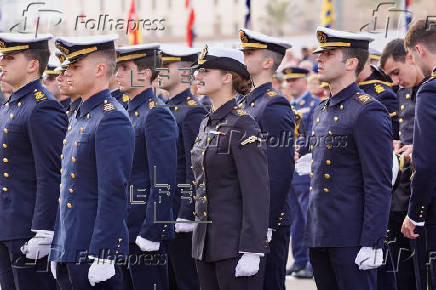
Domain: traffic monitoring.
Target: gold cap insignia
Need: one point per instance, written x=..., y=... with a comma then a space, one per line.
x=322, y=37
x=2, y=44
x=64, y=50
x=203, y=53
x=61, y=57
x=243, y=37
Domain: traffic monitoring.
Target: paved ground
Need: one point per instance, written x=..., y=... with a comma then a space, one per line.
x=298, y=284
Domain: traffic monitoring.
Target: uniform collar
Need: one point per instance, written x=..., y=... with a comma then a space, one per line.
x=74, y=105
x=346, y=93
x=259, y=91
x=180, y=98
x=93, y=101
x=24, y=90
x=222, y=111
x=140, y=99
x=303, y=96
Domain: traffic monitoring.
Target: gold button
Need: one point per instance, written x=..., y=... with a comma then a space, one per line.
x=64, y=141
x=282, y=214
x=313, y=133
x=5, y=146
x=205, y=213
x=120, y=240
x=71, y=190
x=175, y=109
x=73, y=175
x=61, y=171
x=60, y=185
x=11, y=116
x=311, y=147
x=402, y=107
x=204, y=199
x=310, y=188
x=407, y=96
x=399, y=133
x=75, y=143
x=279, y=224
x=69, y=205
x=202, y=153
x=341, y=107
x=330, y=133
x=70, y=128
x=5, y=189
x=420, y=216
x=6, y=175
x=311, y=174
x=88, y=116
x=5, y=160
x=329, y=147
x=252, y=105
x=422, y=207
x=116, y=252
x=327, y=176
x=81, y=130
x=328, y=162
x=59, y=200
x=317, y=120
x=335, y=119
x=19, y=104
x=326, y=190
x=62, y=156
x=5, y=130
x=73, y=159
x=136, y=114
x=401, y=120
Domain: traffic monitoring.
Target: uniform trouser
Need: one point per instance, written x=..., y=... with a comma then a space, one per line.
x=74, y=276
x=334, y=269
x=404, y=259
x=430, y=227
x=221, y=276
x=276, y=259
x=19, y=273
x=184, y=272
x=299, y=202
x=146, y=270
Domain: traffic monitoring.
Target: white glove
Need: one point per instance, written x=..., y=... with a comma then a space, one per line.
x=146, y=245
x=100, y=270
x=269, y=235
x=369, y=258
x=53, y=266
x=248, y=265
x=186, y=226
x=39, y=246
x=395, y=168
x=303, y=166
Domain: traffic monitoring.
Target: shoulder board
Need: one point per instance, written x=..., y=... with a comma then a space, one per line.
x=192, y=103
x=125, y=98
x=379, y=88
x=363, y=98
x=108, y=106
x=375, y=82
x=39, y=96
x=271, y=93
x=430, y=79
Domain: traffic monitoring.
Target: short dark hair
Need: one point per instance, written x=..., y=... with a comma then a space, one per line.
x=360, y=53
x=150, y=63
x=41, y=55
x=110, y=58
x=277, y=58
x=394, y=49
x=424, y=32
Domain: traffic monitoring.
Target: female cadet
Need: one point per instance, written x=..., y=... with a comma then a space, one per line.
x=231, y=176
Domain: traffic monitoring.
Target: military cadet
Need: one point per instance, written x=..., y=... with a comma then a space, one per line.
x=407, y=264
x=189, y=114
x=91, y=231
x=50, y=83
x=263, y=55
x=66, y=89
x=304, y=104
x=420, y=42
x=375, y=83
x=351, y=143
x=232, y=188
x=153, y=178
x=30, y=163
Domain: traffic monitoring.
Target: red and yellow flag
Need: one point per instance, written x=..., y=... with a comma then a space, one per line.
x=135, y=36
